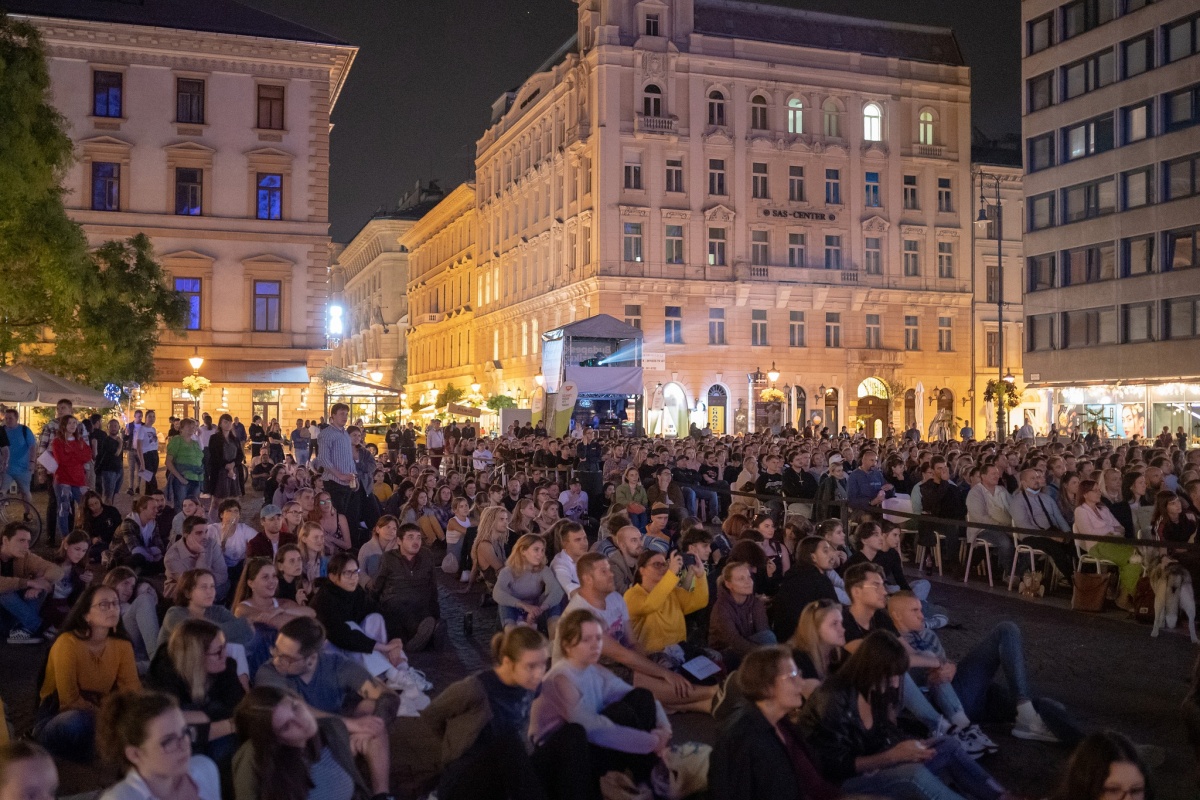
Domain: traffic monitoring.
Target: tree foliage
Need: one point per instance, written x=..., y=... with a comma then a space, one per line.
x=451, y=394
x=102, y=311
x=499, y=401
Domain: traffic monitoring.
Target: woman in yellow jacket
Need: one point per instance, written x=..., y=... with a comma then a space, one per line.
x=659, y=600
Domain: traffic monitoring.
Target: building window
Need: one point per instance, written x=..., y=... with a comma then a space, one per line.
x=758, y=181
x=633, y=241
x=1089, y=74
x=716, y=326
x=651, y=25
x=945, y=335
x=1183, y=317
x=992, y=349
x=830, y=114
x=1089, y=327
x=795, y=115
x=1041, y=33
x=833, y=252
x=1041, y=272
x=674, y=244
x=716, y=108
x=1136, y=122
x=945, y=259
x=833, y=329
x=673, y=325
x=270, y=196
x=796, y=184
x=833, y=187
x=993, y=284
x=1180, y=177
x=270, y=107
x=266, y=306
x=106, y=186
x=796, y=250
x=945, y=196
x=795, y=329
x=1182, y=108
x=189, y=101
x=674, y=174
x=1138, y=321
x=760, y=248
x=1182, y=248
x=911, y=199
x=1042, y=332
x=1137, y=187
x=874, y=332
x=1137, y=255
x=1041, y=152
x=912, y=258
x=1088, y=138
x=107, y=92
x=190, y=289
x=925, y=128
x=912, y=332
x=1089, y=264
x=758, y=113
x=872, y=190
x=189, y=191
x=1083, y=15
x=633, y=176
x=716, y=176
x=1180, y=39
x=1040, y=91
x=1041, y=211
x=1089, y=200
x=758, y=327
x=872, y=123
x=716, y=247
x=873, y=255
x=633, y=316
x=1137, y=56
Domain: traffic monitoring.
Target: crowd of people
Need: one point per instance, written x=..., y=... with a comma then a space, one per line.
x=205, y=655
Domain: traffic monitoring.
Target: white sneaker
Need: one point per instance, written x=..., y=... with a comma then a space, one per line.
x=969, y=744
x=976, y=733
x=412, y=703
x=1034, y=730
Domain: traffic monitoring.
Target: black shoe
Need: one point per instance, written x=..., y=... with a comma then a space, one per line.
x=425, y=632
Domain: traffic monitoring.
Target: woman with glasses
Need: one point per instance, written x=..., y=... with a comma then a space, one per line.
x=197, y=671
x=145, y=734
x=90, y=659
x=1105, y=766
x=293, y=516
x=660, y=599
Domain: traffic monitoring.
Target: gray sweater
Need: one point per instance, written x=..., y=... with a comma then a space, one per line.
x=535, y=588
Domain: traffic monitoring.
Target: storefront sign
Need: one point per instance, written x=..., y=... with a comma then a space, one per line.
x=783, y=213
x=716, y=420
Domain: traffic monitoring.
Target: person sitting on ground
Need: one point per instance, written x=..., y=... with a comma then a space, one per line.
x=146, y=735
x=137, y=543
x=526, y=591
x=818, y=643
x=483, y=724
x=768, y=538
x=196, y=598
x=1093, y=519
x=255, y=600
x=289, y=565
x=288, y=753
x=90, y=659
x=195, y=550
x=231, y=533
x=572, y=545
x=417, y=511
x=759, y=753
x=27, y=772
x=334, y=684
x=624, y=558
x=76, y=575
x=267, y=542
x=660, y=599
x=314, y=557
x=807, y=581
x=188, y=507
x=627, y=727
x=100, y=522
x=195, y=669
x=333, y=524
x=850, y=724
x=456, y=531
x=406, y=591
x=657, y=537
x=738, y=623
x=139, y=612
x=384, y=537
x=1104, y=766
x=766, y=579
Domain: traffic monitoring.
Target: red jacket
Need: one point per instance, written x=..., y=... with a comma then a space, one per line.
x=72, y=456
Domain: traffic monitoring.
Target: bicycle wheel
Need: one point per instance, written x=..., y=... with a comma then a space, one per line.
x=16, y=509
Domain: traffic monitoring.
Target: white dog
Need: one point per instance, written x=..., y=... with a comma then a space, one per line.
x=1173, y=593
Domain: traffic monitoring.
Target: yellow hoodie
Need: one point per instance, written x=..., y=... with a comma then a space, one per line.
x=657, y=616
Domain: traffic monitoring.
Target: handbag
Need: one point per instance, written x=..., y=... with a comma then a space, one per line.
x=48, y=462
x=1090, y=592
x=682, y=772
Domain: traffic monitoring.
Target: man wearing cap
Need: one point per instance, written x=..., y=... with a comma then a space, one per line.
x=657, y=538
x=267, y=542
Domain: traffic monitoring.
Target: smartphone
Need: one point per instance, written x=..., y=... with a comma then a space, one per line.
x=689, y=561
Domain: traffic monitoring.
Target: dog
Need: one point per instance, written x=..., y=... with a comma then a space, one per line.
x=1173, y=592
x=1031, y=584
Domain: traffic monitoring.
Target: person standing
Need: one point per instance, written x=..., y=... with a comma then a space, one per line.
x=301, y=438
x=435, y=441
x=70, y=478
x=130, y=442
x=258, y=436
x=335, y=459
x=22, y=455
x=146, y=443
x=185, y=463
x=107, y=448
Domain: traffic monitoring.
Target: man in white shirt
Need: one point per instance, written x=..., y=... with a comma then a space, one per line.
x=435, y=442
x=988, y=502
x=1032, y=509
x=573, y=544
x=574, y=501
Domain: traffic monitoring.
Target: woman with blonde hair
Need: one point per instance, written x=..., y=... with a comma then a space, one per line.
x=487, y=553
x=331, y=522
x=819, y=641
x=526, y=589
x=520, y=522
x=312, y=551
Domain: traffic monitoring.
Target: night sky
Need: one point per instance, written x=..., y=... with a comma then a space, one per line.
x=427, y=72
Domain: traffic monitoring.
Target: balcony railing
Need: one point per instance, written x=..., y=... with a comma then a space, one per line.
x=930, y=150
x=660, y=125
x=428, y=319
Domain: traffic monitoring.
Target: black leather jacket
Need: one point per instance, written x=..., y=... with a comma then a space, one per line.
x=833, y=729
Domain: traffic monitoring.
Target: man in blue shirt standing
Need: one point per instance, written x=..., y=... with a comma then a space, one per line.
x=22, y=454
x=866, y=488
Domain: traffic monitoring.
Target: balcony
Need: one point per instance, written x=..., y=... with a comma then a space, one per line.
x=428, y=319
x=665, y=126
x=779, y=274
x=929, y=151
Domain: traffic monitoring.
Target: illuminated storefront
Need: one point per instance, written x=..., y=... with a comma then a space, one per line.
x=1130, y=410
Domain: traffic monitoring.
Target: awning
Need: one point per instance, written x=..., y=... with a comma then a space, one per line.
x=51, y=388
x=340, y=381
x=264, y=373
x=16, y=390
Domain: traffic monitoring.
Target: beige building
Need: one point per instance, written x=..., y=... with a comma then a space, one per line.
x=1112, y=195
x=206, y=126
x=750, y=185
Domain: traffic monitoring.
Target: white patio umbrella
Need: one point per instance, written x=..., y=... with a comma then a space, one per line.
x=16, y=390
x=919, y=410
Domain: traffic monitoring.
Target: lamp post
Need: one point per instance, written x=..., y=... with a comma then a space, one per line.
x=1003, y=384
x=197, y=361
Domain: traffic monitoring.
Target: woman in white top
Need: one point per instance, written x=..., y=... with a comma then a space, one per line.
x=255, y=599
x=145, y=734
x=1092, y=518
x=146, y=443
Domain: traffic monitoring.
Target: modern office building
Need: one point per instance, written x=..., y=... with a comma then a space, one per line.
x=1112, y=194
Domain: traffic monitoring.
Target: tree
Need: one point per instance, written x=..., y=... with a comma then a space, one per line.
x=499, y=401
x=95, y=317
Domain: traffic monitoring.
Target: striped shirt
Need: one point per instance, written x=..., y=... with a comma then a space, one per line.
x=334, y=452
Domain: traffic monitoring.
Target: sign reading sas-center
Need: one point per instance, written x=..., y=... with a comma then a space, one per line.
x=783, y=213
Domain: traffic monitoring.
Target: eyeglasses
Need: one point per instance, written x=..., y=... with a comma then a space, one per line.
x=1117, y=793
x=790, y=675
x=284, y=658
x=657, y=565
x=176, y=742
x=349, y=573
x=107, y=605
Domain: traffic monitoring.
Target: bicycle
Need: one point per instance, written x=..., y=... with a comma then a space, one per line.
x=14, y=508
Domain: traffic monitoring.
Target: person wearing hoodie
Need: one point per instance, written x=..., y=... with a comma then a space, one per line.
x=805, y=582
x=738, y=623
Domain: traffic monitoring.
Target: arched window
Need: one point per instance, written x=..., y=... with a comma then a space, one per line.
x=716, y=108
x=758, y=113
x=795, y=115
x=872, y=123
x=925, y=128
x=652, y=101
x=829, y=110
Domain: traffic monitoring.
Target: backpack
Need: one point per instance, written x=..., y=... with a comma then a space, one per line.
x=1143, y=601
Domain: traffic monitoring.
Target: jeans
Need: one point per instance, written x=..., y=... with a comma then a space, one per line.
x=917, y=704
x=178, y=491
x=16, y=610
x=141, y=624
x=710, y=500
x=69, y=734
x=733, y=659
x=921, y=781
x=22, y=479
x=689, y=499
x=639, y=520
x=1058, y=552
x=301, y=454
x=110, y=484
x=1002, y=546
x=1000, y=649
x=67, y=497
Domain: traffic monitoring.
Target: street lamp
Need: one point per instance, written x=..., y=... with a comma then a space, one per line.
x=773, y=374
x=197, y=361
x=377, y=376
x=539, y=380
x=1004, y=384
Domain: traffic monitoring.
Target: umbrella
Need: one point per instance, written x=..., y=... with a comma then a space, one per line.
x=51, y=388
x=989, y=414
x=16, y=390
x=919, y=409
